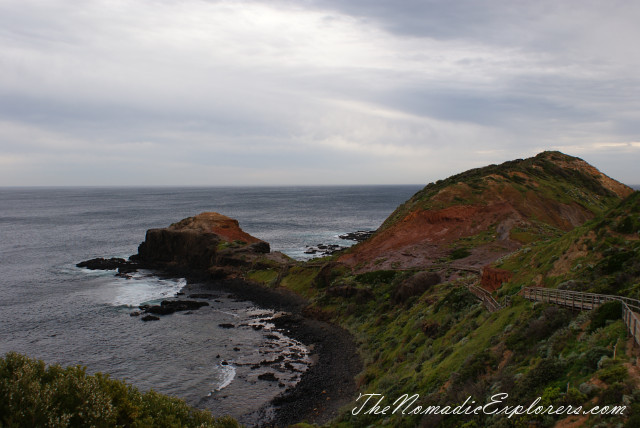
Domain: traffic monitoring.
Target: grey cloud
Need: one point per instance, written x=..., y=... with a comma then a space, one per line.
x=313, y=92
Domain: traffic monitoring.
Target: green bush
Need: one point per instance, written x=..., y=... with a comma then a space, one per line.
x=593, y=355
x=626, y=225
x=545, y=372
x=474, y=366
x=615, y=262
x=551, y=319
x=32, y=394
x=613, y=374
x=459, y=253
x=376, y=277
x=457, y=299
x=605, y=312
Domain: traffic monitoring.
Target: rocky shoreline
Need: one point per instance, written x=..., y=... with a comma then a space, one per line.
x=330, y=249
x=329, y=383
x=211, y=251
x=324, y=388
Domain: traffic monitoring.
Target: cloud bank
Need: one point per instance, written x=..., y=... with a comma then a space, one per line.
x=194, y=92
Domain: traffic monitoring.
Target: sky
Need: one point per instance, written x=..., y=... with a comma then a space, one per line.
x=283, y=92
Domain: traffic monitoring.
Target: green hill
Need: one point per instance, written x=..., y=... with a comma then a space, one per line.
x=421, y=331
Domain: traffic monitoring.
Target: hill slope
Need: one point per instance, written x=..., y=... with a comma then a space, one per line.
x=602, y=256
x=482, y=214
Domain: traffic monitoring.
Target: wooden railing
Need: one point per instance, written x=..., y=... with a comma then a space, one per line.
x=487, y=299
x=588, y=301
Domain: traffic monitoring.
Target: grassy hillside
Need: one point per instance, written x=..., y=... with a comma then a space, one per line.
x=444, y=345
x=602, y=256
x=434, y=338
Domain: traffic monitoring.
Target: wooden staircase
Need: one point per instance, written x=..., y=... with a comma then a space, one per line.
x=487, y=299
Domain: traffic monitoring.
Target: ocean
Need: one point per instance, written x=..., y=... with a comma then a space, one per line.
x=54, y=311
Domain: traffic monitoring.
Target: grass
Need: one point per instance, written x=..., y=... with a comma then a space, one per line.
x=300, y=280
x=266, y=277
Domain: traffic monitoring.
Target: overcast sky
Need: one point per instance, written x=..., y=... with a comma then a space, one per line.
x=197, y=92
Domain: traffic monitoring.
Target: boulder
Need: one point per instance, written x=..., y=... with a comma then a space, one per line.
x=107, y=264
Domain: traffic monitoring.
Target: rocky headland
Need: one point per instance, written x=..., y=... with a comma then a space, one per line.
x=215, y=254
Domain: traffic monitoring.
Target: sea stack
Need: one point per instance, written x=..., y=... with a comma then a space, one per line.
x=204, y=242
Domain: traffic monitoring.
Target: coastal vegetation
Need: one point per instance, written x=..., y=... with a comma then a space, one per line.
x=35, y=395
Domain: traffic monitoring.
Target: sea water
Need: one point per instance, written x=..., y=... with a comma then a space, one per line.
x=54, y=311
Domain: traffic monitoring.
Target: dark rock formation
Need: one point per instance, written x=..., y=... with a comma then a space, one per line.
x=108, y=264
x=170, y=306
x=358, y=236
x=324, y=249
x=208, y=244
x=415, y=286
x=268, y=376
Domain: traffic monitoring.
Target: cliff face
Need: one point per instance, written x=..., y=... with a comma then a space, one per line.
x=202, y=242
x=489, y=212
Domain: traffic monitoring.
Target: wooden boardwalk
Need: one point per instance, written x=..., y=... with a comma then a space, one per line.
x=587, y=301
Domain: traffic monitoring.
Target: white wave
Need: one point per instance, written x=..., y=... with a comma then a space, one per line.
x=228, y=374
x=132, y=292
x=227, y=313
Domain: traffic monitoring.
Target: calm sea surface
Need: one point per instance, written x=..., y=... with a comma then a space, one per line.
x=51, y=310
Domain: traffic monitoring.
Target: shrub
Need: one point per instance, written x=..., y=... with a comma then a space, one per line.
x=593, y=355
x=550, y=320
x=626, y=226
x=376, y=277
x=613, y=374
x=474, y=366
x=614, y=262
x=459, y=253
x=415, y=286
x=457, y=299
x=546, y=371
x=32, y=394
x=605, y=312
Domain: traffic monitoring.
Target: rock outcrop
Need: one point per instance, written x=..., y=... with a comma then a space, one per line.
x=208, y=242
x=205, y=241
x=493, y=278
